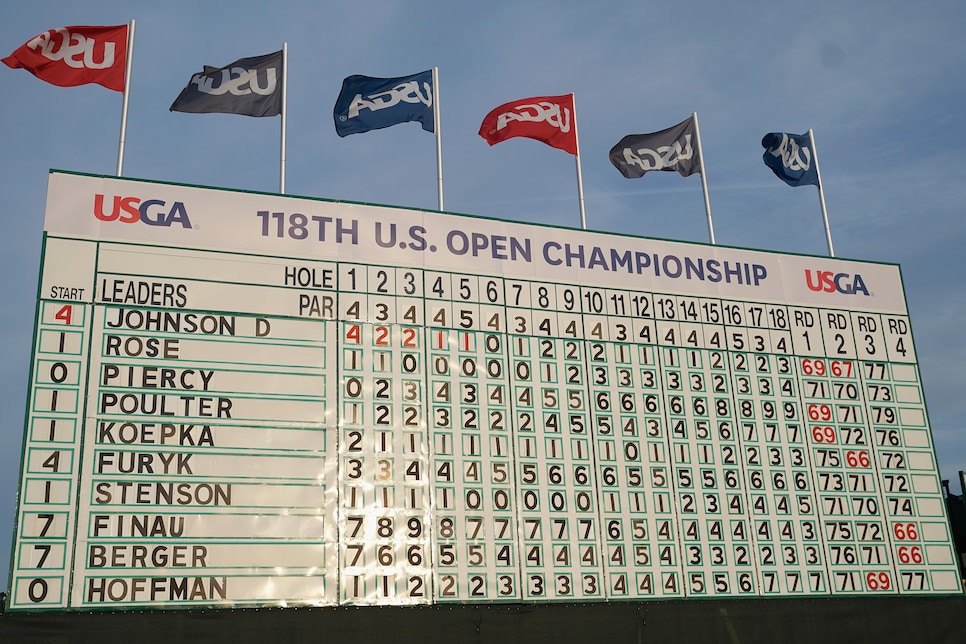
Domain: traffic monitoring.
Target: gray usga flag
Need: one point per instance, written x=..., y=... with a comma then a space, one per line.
x=248, y=86
x=672, y=150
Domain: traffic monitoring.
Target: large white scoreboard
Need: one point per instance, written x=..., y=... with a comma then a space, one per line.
x=241, y=399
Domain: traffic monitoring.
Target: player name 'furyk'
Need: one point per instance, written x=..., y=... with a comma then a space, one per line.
x=143, y=463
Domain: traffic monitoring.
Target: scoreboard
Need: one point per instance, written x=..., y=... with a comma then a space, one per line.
x=241, y=399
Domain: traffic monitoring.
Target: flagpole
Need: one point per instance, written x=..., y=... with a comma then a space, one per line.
x=704, y=177
x=281, y=187
x=439, y=140
x=580, y=179
x=127, y=91
x=821, y=194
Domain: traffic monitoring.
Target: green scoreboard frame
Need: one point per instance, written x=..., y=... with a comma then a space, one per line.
x=247, y=400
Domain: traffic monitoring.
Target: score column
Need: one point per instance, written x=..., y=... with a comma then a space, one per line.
x=781, y=496
x=639, y=532
x=692, y=335
x=916, y=522
x=475, y=532
x=384, y=503
x=48, y=484
x=557, y=504
x=849, y=492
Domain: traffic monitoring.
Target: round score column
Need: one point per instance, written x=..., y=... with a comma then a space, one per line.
x=917, y=528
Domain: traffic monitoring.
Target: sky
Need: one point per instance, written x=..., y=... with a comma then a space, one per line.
x=879, y=81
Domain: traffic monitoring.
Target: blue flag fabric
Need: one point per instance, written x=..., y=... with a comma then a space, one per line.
x=790, y=157
x=366, y=103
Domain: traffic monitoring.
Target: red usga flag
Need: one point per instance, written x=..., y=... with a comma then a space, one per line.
x=545, y=118
x=72, y=56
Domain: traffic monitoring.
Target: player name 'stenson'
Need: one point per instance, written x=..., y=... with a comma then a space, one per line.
x=132, y=492
x=637, y=262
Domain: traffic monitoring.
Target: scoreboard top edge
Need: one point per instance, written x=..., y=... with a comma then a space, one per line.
x=344, y=202
x=172, y=215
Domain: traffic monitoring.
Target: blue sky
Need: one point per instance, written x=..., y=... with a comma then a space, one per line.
x=881, y=84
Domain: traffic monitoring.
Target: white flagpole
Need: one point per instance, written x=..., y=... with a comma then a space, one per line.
x=704, y=177
x=439, y=140
x=580, y=179
x=281, y=187
x=127, y=92
x=821, y=195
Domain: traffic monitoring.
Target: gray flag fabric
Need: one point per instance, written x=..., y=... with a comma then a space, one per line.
x=672, y=150
x=248, y=86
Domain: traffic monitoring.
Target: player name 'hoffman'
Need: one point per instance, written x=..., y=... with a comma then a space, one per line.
x=151, y=589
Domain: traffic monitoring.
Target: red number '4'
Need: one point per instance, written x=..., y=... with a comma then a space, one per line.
x=64, y=314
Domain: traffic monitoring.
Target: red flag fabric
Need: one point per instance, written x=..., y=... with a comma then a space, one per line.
x=544, y=118
x=71, y=56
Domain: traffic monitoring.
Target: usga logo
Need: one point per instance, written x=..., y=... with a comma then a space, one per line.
x=152, y=212
x=831, y=282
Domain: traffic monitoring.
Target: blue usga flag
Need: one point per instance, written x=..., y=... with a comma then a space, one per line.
x=366, y=103
x=791, y=158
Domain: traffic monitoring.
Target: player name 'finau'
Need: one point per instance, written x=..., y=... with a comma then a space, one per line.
x=137, y=525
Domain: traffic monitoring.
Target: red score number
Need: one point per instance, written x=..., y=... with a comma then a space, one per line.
x=823, y=434
x=857, y=459
x=905, y=531
x=840, y=368
x=837, y=368
x=878, y=581
x=910, y=554
x=354, y=334
x=820, y=412
x=813, y=367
